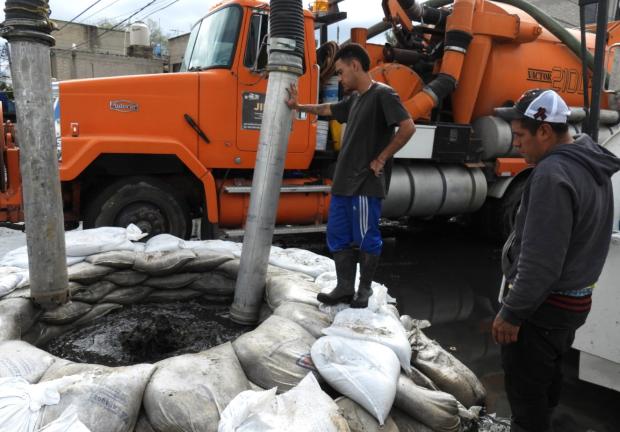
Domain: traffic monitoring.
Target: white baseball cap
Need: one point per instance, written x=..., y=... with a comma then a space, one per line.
x=538, y=104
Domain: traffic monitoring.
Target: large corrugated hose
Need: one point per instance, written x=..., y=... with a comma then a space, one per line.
x=27, y=20
x=286, y=20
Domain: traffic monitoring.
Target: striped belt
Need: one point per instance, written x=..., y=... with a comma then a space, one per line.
x=574, y=300
x=583, y=292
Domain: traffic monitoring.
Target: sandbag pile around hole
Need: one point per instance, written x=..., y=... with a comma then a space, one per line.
x=190, y=392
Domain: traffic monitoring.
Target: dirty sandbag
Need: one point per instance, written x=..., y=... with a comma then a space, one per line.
x=82, y=243
x=411, y=323
x=264, y=312
x=143, y=424
x=99, y=310
x=226, y=247
x=66, y=313
x=40, y=333
x=167, y=296
x=206, y=261
x=307, y=316
x=276, y=353
x=360, y=420
x=164, y=243
x=420, y=379
x=69, y=421
x=436, y=409
x=18, y=293
x=129, y=295
x=10, y=277
x=364, y=371
x=163, y=263
x=126, y=278
x=301, y=260
x=214, y=283
x=290, y=288
x=107, y=399
x=381, y=327
x=93, y=293
x=407, y=423
x=445, y=370
x=20, y=359
x=304, y=408
x=86, y=273
x=16, y=317
x=230, y=268
x=118, y=259
x=189, y=392
x=172, y=282
x=492, y=423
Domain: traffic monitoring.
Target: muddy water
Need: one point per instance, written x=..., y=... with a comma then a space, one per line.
x=148, y=333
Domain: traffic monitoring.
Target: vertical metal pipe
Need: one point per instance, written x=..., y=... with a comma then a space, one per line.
x=285, y=65
x=28, y=34
x=598, y=73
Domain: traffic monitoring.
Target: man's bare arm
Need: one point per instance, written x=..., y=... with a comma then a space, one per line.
x=292, y=103
x=406, y=129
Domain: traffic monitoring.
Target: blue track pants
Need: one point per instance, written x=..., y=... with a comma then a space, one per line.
x=354, y=222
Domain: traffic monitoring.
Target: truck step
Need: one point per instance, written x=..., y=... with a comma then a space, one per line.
x=283, y=189
x=280, y=230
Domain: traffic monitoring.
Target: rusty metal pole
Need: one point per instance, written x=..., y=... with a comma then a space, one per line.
x=27, y=28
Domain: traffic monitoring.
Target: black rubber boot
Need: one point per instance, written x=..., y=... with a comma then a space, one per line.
x=346, y=263
x=368, y=266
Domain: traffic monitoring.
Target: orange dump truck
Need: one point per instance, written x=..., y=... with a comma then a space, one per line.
x=161, y=150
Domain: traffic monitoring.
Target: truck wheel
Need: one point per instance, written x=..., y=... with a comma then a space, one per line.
x=145, y=202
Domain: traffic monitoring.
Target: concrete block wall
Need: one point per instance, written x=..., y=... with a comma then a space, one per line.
x=68, y=64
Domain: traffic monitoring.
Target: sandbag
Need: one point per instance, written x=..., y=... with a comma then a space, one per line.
x=206, y=261
x=143, y=424
x=93, y=293
x=307, y=316
x=364, y=371
x=264, y=312
x=86, y=273
x=301, y=260
x=407, y=423
x=381, y=327
x=224, y=247
x=19, y=258
x=214, y=283
x=420, y=379
x=16, y=317
x=230, y=269
x=10, y=277
x=305, y=408
x=118, y=259
x=107, y=399
x=68, y=421
x=66, y=313
x=98, y=311
x=276, y=353
x=167, y=296
x=20, y=359
x=360, y=420
x=163, y=243
x=283, y=289
x=82, y=243
x=188, y=392
x=446, y=371
x=162, y=263
x=18, y=293
x=126, y=278
x=40, y=333
x=171, y=282
x=436, y=409
x=127, y=296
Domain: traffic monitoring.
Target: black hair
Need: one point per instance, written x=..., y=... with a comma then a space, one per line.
x=532, y=125
x=353, y=51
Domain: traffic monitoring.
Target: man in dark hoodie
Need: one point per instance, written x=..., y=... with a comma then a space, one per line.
x=554, y=256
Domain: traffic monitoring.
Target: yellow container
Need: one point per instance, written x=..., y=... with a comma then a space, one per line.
x=335, y=129
x=320, y=6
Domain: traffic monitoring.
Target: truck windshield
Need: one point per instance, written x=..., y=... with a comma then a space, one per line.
x=212, y=41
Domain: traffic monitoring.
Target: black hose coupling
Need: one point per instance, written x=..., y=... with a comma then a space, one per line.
x=286, y=36
x=27, y=20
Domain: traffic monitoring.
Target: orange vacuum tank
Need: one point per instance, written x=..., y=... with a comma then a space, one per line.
x=303, y=208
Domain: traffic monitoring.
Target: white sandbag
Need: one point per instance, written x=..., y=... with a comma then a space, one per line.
x=206, y=261
x=107, y=399
x=188, y=392
x=66, y=313
x=92, y=293
x=164, y=243
x=214, y=283
x=167, y=296
x=436, y=409
x=290, y=288
x=126, y=278
x=20, y=359
x=18, y=293
x=364, y=371
x=216, y=246
x=230, y=268
x=98, y=311
x=301, y=260
x=162, y=263
x=143, y=424
x=381, y=327
x=10, y=277
x=86, y=273
x=305, y=408
x=119, y=259
x=276, y=353
x=82, y=243
x=309, y=317
x=19, y=258
x=68, y=421
x=16, y=317
x=173, y=281
x=360, y=420
x=128, y=296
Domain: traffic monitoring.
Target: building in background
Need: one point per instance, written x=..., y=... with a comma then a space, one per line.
x=176, y=49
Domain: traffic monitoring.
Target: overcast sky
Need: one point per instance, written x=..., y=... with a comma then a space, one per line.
x=180, y=15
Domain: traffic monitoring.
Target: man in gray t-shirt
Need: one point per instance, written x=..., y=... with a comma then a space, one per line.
x=372, y=113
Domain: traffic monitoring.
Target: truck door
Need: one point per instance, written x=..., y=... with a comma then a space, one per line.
x=252, y=88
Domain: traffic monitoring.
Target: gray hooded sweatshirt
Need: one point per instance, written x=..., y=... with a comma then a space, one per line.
x=562, y=229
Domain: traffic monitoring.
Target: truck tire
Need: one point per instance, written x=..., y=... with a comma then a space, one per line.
x=145, y=202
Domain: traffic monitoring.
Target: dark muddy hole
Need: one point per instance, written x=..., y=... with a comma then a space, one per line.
x=148, y=333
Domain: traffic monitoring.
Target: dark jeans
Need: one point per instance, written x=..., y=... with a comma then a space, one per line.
x=533, y=375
